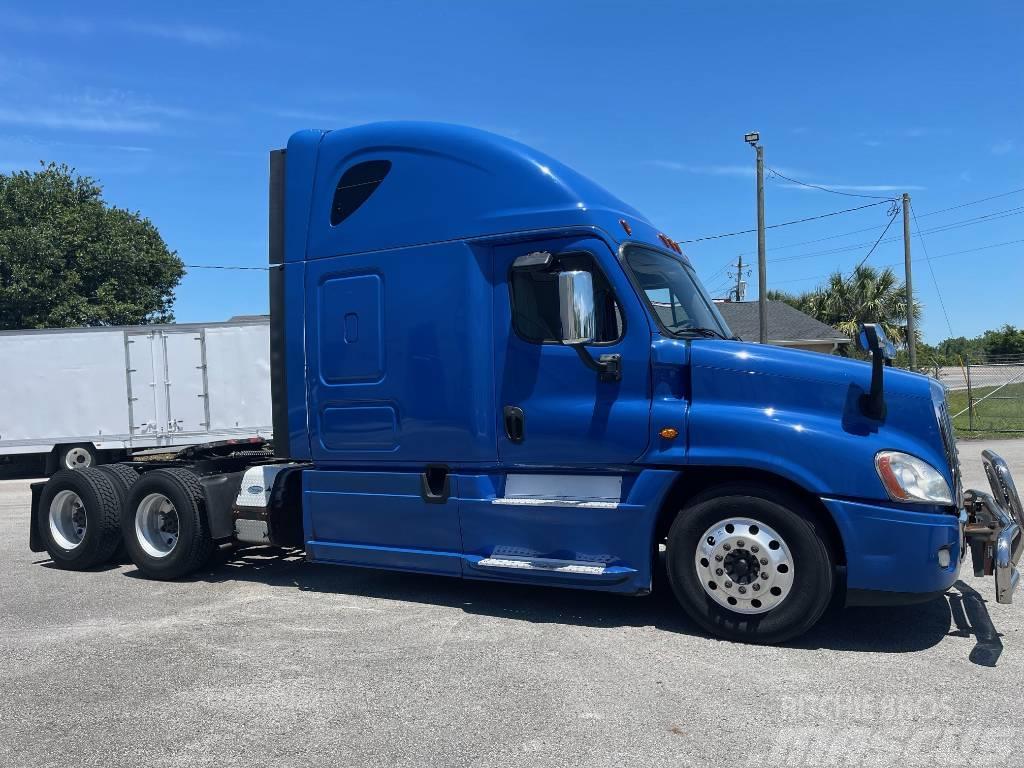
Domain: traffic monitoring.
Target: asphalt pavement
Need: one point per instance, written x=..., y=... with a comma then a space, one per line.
x=265, y=660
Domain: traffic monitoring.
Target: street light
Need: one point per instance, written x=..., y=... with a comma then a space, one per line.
x=753, y=139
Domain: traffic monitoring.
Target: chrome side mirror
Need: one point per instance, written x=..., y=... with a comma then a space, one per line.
x=576, y=307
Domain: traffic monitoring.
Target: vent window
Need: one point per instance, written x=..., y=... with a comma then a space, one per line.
x=355, y=187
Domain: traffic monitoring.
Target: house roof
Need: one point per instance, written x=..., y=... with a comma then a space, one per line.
x=786, y=324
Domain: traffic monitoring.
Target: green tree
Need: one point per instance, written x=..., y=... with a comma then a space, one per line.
x=955, y=349
x=801, y=301
x=1007, y=340
x=67, y=258
x=868, y=295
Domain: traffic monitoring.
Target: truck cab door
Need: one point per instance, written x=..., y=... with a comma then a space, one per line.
x=563, y=504
x=553, y=410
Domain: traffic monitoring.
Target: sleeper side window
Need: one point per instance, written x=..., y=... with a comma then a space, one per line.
x=535, y=301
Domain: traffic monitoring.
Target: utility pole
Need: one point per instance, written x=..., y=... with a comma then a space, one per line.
x=739, y=292
x=911, y=338
x=753, y=139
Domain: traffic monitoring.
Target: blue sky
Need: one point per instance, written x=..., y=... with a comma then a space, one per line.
x=174, y=107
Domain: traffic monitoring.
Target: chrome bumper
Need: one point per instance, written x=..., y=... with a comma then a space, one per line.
x=995, y=527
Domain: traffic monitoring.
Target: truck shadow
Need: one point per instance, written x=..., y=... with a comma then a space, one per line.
x=962, y=612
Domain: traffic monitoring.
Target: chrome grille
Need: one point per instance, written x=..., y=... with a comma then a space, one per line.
x=952, y=453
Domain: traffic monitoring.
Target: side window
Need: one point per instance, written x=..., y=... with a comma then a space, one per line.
x=535, y=301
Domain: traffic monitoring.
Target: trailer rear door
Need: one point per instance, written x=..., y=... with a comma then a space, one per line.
x=143, y=364
x=184, y=381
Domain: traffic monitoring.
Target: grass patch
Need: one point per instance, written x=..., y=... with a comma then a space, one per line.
x=1000, y=415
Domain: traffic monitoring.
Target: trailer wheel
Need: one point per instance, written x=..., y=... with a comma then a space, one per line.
x=750, y=564
x=81, y=456
x=123, y=477
x=78, y=518
x=164, y=524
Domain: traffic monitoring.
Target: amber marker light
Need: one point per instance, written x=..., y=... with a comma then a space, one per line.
x=625, y=226
x=669, y=433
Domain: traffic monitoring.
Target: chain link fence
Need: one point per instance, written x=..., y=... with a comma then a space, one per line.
x=985, y=393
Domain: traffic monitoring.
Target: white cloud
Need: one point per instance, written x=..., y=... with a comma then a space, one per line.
x=311, y=116
x=1004, y=147
x=742, y=171
x=102, y=112
x=708, y=170
x=858, y=187
x=126, y=103
x=51, y=118
x=191, y=34
x=872, y=143
x=70, y=26
x=60, y=25
x=748, y=172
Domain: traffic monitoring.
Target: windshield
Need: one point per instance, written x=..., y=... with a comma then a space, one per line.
x=675, y=295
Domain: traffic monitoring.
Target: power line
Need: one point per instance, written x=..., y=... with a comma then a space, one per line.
x=892, y=218
x=719, y=271
x=900, y=263
x=974, y=202
x=224, y=266
x=784, y=223
x=923, y=215
x=935, y=280
x=941, y=228
x=773, y=172
x=818, y=239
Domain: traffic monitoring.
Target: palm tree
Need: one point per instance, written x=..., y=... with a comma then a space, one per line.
x=866, y=296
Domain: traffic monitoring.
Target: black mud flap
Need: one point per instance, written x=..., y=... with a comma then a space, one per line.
x=219, y=493
x=35, y=541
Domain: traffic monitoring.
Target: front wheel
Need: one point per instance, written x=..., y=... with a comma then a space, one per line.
x=750, y=564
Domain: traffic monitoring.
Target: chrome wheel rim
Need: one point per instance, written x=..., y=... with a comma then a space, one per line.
x=77, y=458
x=68, y=520
x=156, y=525
x=744, y=565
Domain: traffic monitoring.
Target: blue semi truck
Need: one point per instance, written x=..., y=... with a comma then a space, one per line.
x=484, y=365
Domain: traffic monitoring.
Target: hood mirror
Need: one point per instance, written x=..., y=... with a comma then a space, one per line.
x=872, y=339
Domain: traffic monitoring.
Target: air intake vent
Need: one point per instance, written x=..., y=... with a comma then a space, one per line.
x=355, y=187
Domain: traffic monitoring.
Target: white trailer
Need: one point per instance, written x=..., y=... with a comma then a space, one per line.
x=81, y=396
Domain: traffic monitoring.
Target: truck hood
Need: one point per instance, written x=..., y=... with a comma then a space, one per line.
x=797, y=413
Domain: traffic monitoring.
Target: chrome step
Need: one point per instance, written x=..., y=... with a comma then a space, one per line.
x=581, y=567
x=575, y=503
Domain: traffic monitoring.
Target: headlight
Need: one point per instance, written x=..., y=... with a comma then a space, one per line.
x=907, y=478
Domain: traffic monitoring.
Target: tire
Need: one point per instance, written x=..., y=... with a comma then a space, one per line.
x=80, y=456
x=123, y=477
x=78, y=518
x=164, y=524
x=792, y=571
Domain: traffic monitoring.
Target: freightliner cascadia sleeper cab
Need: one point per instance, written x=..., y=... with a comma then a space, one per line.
x=484, y=365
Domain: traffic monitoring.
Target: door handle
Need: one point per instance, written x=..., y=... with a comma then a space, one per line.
x=515, y=423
